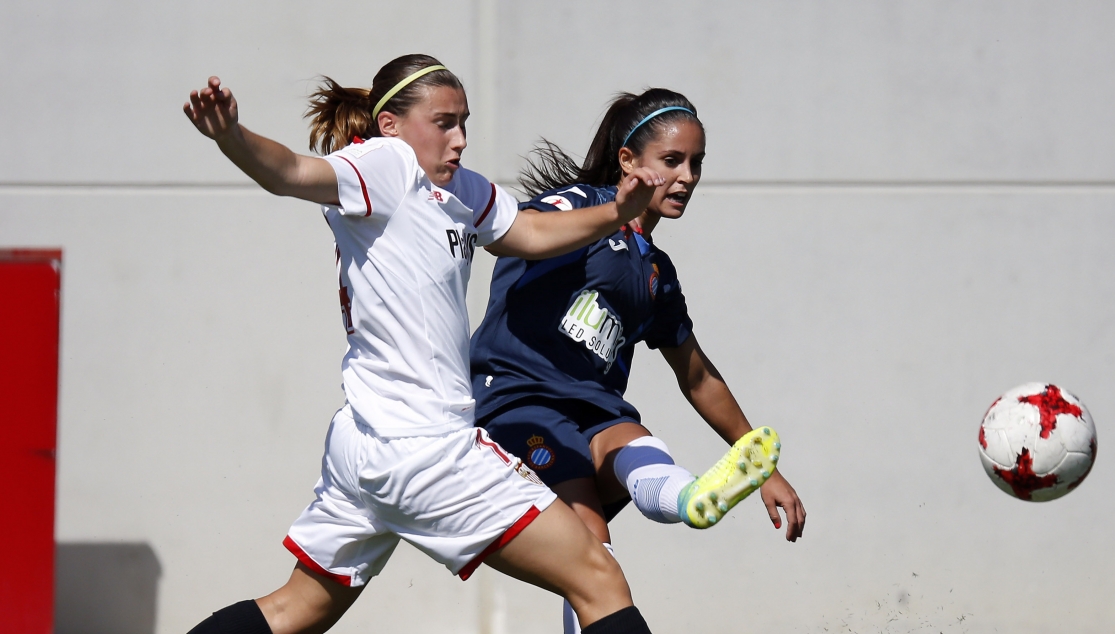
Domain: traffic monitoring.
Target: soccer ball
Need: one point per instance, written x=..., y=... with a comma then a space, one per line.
x=1037, y=442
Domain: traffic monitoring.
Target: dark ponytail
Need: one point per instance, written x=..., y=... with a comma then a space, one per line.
x=549, y=167
x=337, y=114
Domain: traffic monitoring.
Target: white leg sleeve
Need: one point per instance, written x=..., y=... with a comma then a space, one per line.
x=652, y=479
x=569, y=621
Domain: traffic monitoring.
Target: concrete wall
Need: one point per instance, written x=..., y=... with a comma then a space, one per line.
x=907, y=209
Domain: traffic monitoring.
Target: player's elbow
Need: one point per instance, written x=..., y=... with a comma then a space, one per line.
x=285, y=183
x=276, y=188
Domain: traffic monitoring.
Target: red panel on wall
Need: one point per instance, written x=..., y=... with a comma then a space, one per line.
x=29, y=295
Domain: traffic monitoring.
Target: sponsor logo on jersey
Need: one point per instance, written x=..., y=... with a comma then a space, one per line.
x=561, y=202
x=539, y=456
x=589, y=323
x=461, y=245
x=617, y=245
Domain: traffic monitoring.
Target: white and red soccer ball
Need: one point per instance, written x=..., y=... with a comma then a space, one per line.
x=1037, y=442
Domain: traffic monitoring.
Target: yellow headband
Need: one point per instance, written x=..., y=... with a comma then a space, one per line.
x=403, y=84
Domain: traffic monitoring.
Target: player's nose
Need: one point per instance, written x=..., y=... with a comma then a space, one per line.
x=685, y=174
x=457, y=140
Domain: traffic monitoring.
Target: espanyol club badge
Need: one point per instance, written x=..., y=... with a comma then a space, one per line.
x=539, y=456
x=653, y=282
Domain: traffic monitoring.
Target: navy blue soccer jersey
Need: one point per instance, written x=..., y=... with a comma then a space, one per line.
x=564, y=329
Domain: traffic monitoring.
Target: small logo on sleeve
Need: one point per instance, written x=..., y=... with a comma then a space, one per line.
x=363, y=148
x=561, y=202
x=595, y=326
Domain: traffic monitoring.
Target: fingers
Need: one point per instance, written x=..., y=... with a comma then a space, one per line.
x=795, y=520
x=772, y=512
x=210, y=94
x=635, y=192
x=214, y=88
x=193, y=106
x=795, y=517
x=641, y=178
x=200, y=111
x=777, y=493
x=646, y=177
x=212, y=109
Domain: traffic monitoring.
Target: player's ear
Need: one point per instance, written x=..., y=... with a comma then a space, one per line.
x=388, y=123
x=627, y=160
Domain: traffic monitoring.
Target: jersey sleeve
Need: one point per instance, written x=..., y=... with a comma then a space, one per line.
x=564, y=199
x=493, y=209
x=495, y=217
x=373, y=177
x=672, y=325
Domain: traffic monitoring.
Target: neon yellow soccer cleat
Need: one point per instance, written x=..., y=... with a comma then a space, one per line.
x=741, y=471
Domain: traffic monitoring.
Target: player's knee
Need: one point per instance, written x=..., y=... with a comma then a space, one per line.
x=600, y=588
x=607, y=575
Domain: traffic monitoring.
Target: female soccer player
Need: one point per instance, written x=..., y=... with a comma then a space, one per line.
x=402, y=458
x=550, y=360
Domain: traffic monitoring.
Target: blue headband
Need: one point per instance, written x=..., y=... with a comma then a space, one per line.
x=651, y=116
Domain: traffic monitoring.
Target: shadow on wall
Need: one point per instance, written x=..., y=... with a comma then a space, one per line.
x=105, y=588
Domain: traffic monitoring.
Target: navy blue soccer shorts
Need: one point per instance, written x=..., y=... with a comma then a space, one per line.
x=551, y=437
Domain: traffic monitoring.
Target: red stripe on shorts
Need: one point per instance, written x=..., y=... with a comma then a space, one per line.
x=500, y=542
x=297, y=551
x=363, y=187
x=492, y=445
x=491, y=201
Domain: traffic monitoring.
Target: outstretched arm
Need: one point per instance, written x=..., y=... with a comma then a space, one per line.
x=274, y=166
x=536, y=236
x=703, y=386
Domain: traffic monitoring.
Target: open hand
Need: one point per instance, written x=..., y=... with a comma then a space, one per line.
x=777, y=492
x=212, y=109
x=635, y=191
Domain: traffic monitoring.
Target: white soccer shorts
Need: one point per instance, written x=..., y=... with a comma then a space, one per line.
x=457, y=498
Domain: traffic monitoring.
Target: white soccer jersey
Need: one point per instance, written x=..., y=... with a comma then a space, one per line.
x=404, y=254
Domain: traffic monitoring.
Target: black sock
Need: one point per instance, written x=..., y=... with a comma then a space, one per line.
x=625, y=621
x=239, y=618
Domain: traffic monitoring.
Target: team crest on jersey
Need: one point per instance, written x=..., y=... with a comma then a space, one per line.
x=594, y=325
x=539, y=456
x=653, y=282
x=528, y=475
x=561, y=202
